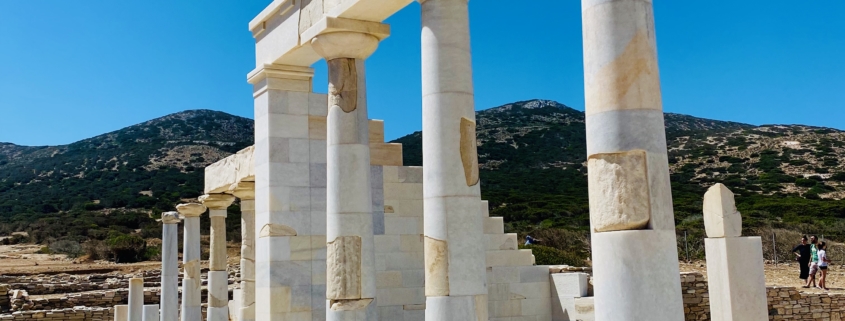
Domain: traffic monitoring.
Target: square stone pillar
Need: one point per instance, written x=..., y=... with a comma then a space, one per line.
x=289, y=203
x=735, y=276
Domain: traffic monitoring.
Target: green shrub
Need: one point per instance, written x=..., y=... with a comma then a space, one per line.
x=126, y=248
x=69, y=247
x=803, y=182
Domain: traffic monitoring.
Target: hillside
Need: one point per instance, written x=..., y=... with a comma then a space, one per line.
x=532, y=156
x=144, y=168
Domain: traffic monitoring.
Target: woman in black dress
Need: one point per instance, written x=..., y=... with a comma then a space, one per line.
x=802, y=251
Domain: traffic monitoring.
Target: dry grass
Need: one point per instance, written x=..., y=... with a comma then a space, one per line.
x=785, y=274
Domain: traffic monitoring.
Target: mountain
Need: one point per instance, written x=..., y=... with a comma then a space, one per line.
x=146, y=167
x=532, y=156
x=531, y=153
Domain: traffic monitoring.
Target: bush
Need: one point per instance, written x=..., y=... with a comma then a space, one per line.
x=803, y=182
x=71, y=248
x=96, y=250
x=126, y=248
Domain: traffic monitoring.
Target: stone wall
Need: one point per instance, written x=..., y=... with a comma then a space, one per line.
x=79, y=313
x=785, y=303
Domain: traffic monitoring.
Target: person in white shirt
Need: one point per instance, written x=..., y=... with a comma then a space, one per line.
x=823, y=262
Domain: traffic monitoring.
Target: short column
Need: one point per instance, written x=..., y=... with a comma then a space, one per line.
x=245, y=191
x=735, y=276
x=151, y=312
x=121, y=312
x=218, y=277
x=191, y=295
x=455, y=269
x=350, y=257
x=169, y=266
x=136, y=299
x=635, y=259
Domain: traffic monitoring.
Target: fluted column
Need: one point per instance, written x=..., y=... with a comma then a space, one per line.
x=169, y=266
x=191, y=296
x=455, y=274
x=218, y=276
x=245, y=191
x=351, y=275
x=635, y=258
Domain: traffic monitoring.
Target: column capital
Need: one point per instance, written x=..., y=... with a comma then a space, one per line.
x=335, y=38
x=217, y=201
x=171, y=217
x=243, y=190
x=190, y=209
x=280, y=77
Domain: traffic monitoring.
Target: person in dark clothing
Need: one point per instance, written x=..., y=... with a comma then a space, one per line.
x=802, y=252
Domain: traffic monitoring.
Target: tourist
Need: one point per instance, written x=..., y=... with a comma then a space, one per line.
x=814, y=262
x=529, y=240
x=823, y=261
x=802, y=253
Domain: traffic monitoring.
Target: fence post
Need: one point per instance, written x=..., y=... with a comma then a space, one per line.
x=774, y=248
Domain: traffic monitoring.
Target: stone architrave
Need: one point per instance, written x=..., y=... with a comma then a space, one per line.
x=218, y=277
x=169, y=266
x=136, y=299
x=350, y=257
x=455, y=273
x=191, y=282
x=245, y=191
x=631, y=215
x=735, y=275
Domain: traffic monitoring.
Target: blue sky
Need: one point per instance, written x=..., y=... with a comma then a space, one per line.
x=70, y=70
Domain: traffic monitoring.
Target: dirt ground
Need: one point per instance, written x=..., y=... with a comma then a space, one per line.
x=24, y=260
x=784, y=274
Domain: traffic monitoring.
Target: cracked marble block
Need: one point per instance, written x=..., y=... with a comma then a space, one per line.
x=721, y=219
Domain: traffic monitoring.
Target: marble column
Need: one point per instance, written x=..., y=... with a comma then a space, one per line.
x=635, y=260
x=151, y=312
x=169, y=266
x=455, y=274
x=191, y=295
x=121, y=312
x=218, y=276
x=245, y=191
x=350, y=257
x=136, y=299
x=735, y=275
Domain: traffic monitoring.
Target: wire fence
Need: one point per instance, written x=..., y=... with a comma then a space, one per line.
x=777, y=245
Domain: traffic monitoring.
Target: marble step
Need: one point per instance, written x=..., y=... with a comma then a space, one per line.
x=485, y=209
x=497, y=242
x=494, y=225
x=510, y=258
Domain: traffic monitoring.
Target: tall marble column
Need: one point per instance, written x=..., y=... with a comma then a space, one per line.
x=635, y=260
x=169, y=266
x=245, y=191
x=218, y=276
x=350, y=257
x=191, y=296
x=136, y=299
x=455, y=274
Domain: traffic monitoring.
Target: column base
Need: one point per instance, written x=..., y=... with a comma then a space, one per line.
x=150, y=313
x=369, y=312
x=218, y=289
x=456, y=308
x=218, y=314
x=637, y=276
x=192, y=314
